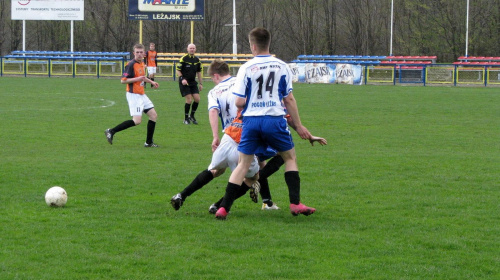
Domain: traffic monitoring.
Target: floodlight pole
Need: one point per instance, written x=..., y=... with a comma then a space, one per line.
x=24, y=35
x=140, y=31
x=235, y=44
x=72, y=25
x=192, y=32
x=467, y=32
x=392, y=19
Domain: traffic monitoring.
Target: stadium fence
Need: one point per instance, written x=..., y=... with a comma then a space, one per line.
x=375, y=69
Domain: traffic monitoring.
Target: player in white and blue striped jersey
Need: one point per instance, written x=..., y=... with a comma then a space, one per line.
x=261, y=84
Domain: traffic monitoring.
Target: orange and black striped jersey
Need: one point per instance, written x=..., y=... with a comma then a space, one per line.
x=150, y=58
x=134, y=69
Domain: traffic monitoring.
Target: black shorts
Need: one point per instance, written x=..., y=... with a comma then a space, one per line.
x=189, y=89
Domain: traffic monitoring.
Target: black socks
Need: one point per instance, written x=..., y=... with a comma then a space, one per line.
x=292, y=180
x=186, y=110
x=151, y=131
x=124, y=125
x=193, y=109
x=202, y=179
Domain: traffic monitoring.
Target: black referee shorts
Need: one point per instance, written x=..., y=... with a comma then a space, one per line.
x=189, y=89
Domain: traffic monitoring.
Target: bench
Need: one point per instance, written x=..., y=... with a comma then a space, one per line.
x=407, y=58
x=477, y=63
x=207, y=57
x=479, y=59
x=125, y=55
x=406, y=62
x=340, y=57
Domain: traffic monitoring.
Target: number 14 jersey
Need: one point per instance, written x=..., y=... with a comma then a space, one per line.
x=264, y=81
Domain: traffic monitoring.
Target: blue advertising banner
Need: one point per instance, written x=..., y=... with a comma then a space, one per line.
x=166, y=9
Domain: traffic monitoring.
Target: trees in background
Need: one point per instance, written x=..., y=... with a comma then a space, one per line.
x=351, y=27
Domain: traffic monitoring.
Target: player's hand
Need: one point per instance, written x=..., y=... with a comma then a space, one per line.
x=200, y=87
x=303, y=132
x=215, y=144
x=184, y=82
x=155, y=85
x=321, y=141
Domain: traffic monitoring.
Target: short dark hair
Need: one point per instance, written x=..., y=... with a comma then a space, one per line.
x=218, y=66
x=261, y=37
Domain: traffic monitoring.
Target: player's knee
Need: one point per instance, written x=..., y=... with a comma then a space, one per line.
x=137, y=120
x=217, y=172
x=153, y=116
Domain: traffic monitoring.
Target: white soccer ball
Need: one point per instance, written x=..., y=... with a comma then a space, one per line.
x=56, y=197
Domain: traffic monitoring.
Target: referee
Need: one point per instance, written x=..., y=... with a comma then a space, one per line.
x=188, y=68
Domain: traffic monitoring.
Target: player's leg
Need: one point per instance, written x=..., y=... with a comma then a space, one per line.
x=136, y=107
x=151, y=127
x=187, y=107
x=250, y=142
x=216, y=168
x=194, y=107
x=269, y=169
x=186, y=93
x=235, y=181
x=198, y=182
x=292, y=180
x=279, y=138
x=151, y=74
x=239, y=192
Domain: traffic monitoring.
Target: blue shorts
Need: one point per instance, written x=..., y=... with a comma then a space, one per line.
x=266, y=154
x=262, y=132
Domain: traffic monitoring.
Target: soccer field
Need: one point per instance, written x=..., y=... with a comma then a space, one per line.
x=408, y=187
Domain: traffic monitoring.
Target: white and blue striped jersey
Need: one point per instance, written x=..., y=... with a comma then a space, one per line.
x=264, y=81
x=222, y=99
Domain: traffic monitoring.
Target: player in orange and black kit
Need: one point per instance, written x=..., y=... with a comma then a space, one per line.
x=138, y=102
x=188, y=68
x=151, y=61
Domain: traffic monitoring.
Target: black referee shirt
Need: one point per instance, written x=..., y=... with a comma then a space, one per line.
x=189, y=65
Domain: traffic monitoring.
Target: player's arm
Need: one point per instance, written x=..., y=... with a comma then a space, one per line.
x=179, y=72
x=148, y=80
x=213, y=116
x=129, y=72
x=291, y=107
x=322, y=141
x=240, y=102
x=200, y=81
x=132, y=80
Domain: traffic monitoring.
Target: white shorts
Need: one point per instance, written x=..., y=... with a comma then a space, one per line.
x=227, y=155
x=151, y=70
x=137, y=103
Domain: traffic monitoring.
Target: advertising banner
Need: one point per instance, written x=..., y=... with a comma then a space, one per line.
x=166, y=10
x=327, y=73
x=47, y=9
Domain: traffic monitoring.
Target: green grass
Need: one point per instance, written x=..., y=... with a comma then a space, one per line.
x=407, y=188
